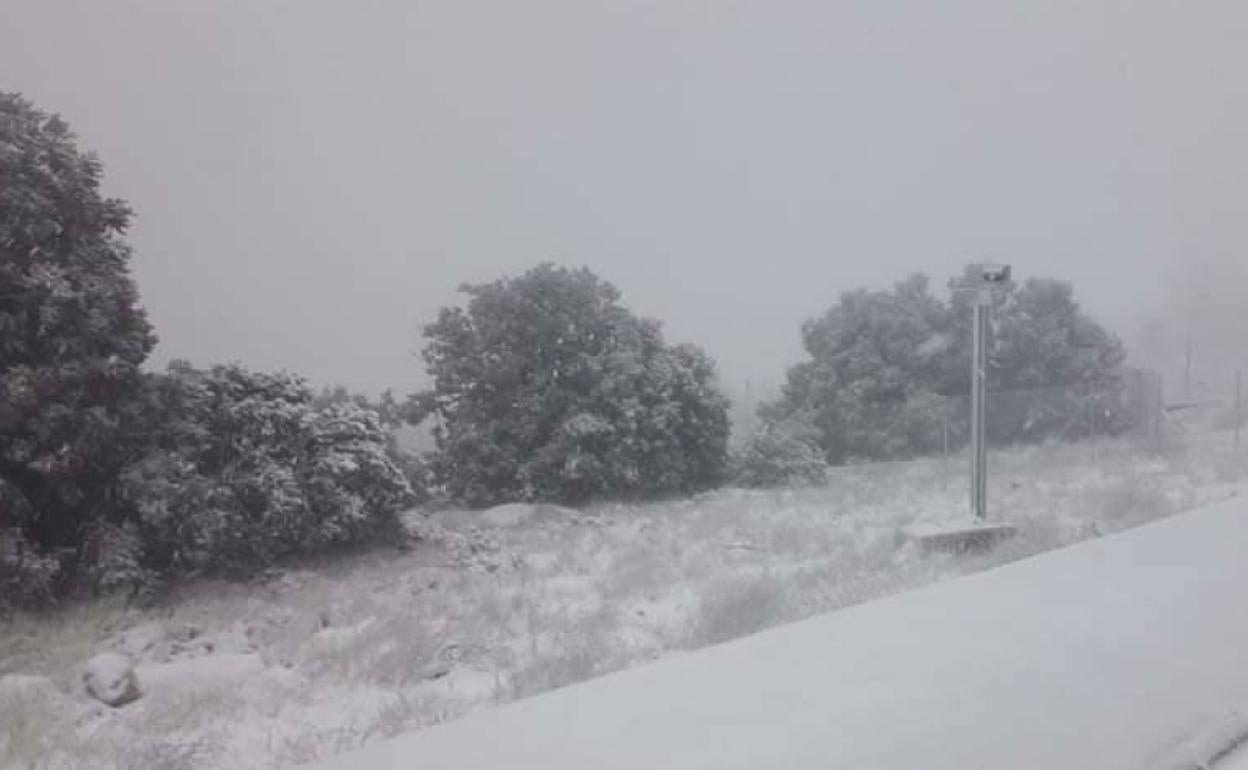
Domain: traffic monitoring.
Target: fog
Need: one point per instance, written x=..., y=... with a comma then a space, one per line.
x=313, y=180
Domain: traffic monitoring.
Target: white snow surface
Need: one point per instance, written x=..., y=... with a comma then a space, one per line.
x=1121, y=652
x=1236, y=761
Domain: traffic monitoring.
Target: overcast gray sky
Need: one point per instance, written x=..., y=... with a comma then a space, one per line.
x=314, y=179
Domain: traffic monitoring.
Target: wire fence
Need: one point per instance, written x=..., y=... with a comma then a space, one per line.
x=1093, y=424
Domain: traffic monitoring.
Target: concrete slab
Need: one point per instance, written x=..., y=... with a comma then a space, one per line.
x=955, y=538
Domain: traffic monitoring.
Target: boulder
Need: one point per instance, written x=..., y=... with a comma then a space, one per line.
x=109, y=678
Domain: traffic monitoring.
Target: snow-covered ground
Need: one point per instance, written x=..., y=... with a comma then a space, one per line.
x=1126, y=652
x=1238, y=760
x=497, y=606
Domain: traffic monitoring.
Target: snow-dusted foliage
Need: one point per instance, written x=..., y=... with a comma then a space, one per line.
x=72, y=337
x=545, y=387
x=244, y=471
x=507, y=603
x=875, y=365
x=393, y=418
x=888, y=372
x=781, y=455
x=26, y=576
x=117, y=478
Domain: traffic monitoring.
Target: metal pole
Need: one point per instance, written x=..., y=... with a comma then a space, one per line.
x=1187, y=370
x=1159, y=408
x=979, y=454
x=1092, y=406
x=1239, y=405
x=983, y=405
x=944, y=432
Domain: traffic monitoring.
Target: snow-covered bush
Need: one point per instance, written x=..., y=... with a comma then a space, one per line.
x=886, y=372
x=354, y=489
x=546, y=388
x=244, y=470
x=779, y=457
x=26, y=576
x=739, y=606
x=113, y=558
x=393, y=419
x=72, y=340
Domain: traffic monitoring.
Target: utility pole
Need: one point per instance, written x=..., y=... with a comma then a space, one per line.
x=979, y=451
x=979, y=534
x=944, y=432
x=1093, y=392
x=1239, y=405
x=1187, y=370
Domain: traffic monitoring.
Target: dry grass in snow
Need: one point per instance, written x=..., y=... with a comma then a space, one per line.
x=499, y=605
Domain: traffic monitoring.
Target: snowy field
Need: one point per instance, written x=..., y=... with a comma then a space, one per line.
x=1236, y=761
x=491, y=607
x=1124, y=653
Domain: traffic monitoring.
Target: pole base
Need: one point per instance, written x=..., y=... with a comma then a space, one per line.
x=958, y=538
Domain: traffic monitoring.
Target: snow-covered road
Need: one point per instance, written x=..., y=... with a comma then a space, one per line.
x=1236, y=761
x=1125, y=652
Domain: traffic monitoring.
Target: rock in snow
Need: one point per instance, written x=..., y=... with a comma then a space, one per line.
x=109, y=678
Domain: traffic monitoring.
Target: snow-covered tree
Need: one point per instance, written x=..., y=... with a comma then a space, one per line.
x=392, y=413
x=545, y=387
x=888, y=371
x=874, y=368
x=244, y=470
x=1054, y=371
x=782, y=454
x=72, y=338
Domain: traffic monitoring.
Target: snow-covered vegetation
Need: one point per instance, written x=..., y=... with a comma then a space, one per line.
x=885, y=374
x=501, y=604
x=547, y=388
x=218, y=567
x=114, y=478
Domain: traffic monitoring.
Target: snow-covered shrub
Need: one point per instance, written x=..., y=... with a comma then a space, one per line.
x=418, y=470
x=27, y=577
x=886, y=371
x=1130, y=500
x=245, y=471
x=72, y=340
x=546, y=388
x=736, y=607
x=113, y=555
x=779, y=457
x=392, y=416
x=574, y=663
x=353, y=487
x=1230, y=468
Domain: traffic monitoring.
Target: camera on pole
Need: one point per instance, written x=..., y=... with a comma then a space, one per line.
x=980, y=534
x=993, y=275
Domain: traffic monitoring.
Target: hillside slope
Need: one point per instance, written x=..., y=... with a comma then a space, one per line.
x=1122, y=652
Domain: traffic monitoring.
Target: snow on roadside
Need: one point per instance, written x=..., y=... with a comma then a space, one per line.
x=501, y=606
x=1122, y=654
